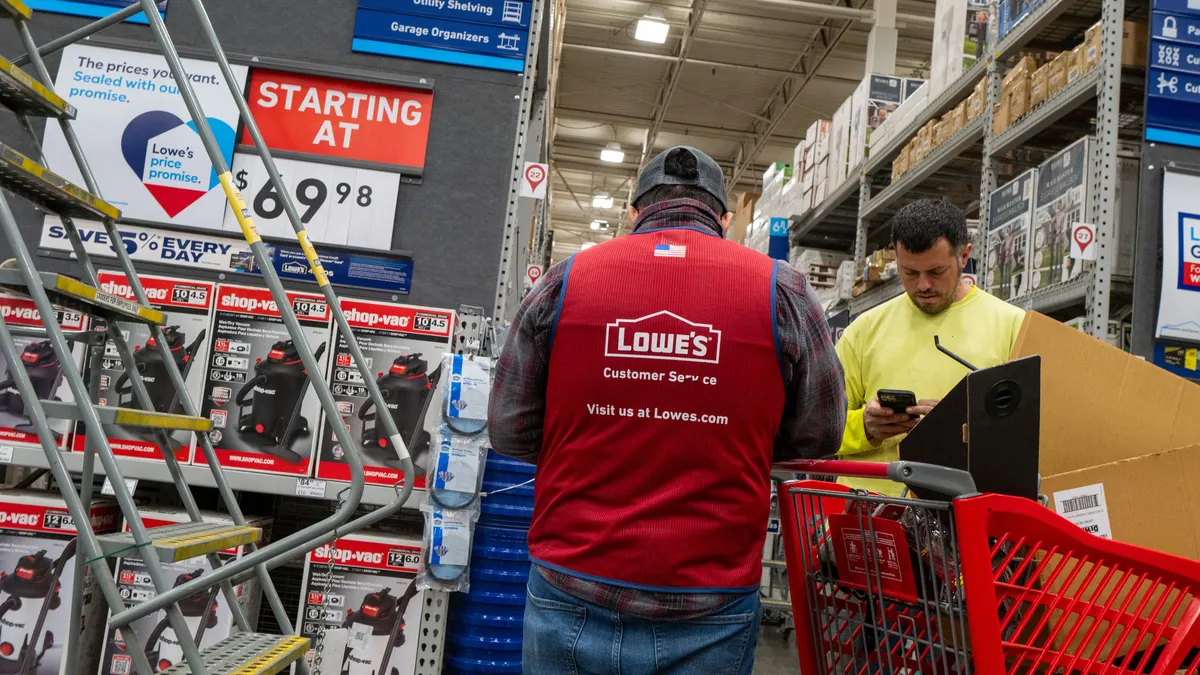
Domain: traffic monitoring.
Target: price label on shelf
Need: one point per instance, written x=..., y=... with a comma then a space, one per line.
x=337, y=204
x=6, y=454
x=310, y=487
x=107, y=488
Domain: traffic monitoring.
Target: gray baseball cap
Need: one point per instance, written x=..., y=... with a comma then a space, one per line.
x=709, y=176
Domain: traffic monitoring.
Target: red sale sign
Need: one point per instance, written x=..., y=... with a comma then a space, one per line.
x=342, y=119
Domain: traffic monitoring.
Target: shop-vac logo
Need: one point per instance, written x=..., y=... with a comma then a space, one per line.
x=371, y=319
x=665, y=336
x=249, y=305
x=124, y=290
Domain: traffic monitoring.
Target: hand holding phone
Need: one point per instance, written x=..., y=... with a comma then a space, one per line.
x=899, y=400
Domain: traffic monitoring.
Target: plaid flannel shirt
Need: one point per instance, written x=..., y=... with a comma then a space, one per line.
x=811, y=427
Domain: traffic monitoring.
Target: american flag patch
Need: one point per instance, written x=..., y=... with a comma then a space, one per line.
x=670, y=251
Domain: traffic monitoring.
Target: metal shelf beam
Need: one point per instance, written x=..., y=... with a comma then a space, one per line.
x=1066, y=293
x=1030, y=27
x=876, y=296
x=802, y=225
x=939, y=158
x=201, y=476
x=950, y=97
x=1070, y=98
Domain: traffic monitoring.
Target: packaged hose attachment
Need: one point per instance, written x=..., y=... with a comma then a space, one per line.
x=457, y=471
x=447, y=559
x=466, y=395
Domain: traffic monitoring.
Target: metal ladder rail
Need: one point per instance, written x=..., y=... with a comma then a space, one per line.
x=305, y=539
x=89, y=548
x=141, y=396
x=9, y=230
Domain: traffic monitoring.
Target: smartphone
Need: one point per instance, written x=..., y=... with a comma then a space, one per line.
x=898, y=400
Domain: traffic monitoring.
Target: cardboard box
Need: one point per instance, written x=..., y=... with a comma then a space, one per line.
x=1018, y=98
x=1024, y=66
x=1039, y=85
x=39, y=360
x=742, y=217
x=1135, y=40
x=1010, y=212
x=1076, y=58
x=1062, y=192
x=39, y=534
x=875, y=98
x=839, y=144
x=254, y=349
x=1000, y=120
x=188, y=305
x=819, y=133
x=1143, y=410
x=1093, y=43
x=135, y=585
x=1056, y=79
x=373, y=578
x=959, y=33
x=405, y=345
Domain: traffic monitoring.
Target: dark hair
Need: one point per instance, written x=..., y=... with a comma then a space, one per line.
x=920, y=224
x=680, y=163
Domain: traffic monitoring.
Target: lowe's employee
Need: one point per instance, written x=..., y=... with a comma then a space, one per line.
x=891, y=346
x=652, y=379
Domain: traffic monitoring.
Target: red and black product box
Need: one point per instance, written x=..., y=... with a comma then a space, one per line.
x=38, y=554
x=403, y=347
x=42, y=365
x=187, y=305
x=370, y=591
x=256, y=389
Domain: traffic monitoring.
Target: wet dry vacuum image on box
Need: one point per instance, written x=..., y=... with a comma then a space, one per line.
x=403, y=346
x=257, y=394
x=43, y=367
x=187, y=305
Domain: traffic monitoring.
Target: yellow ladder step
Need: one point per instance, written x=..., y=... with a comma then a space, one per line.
x=22, y=94
x=183, y=541
x=15, y=9
x=24, y=177
x=248, y=654
x=75, y=294
x=129, y=417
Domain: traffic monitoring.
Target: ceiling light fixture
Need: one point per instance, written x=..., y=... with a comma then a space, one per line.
x=602, y=201
x=612, y=153
x=599, y=224
x=652, y=28
x=587, y=245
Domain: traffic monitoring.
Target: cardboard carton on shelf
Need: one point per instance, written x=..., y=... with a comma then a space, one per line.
x=1093, y=43
x=839, y=144
x=1135, y=38
x=1018, y=98
x=1000, y=117
x=819, y=133
x=1038, y=86
x=1056, y=79
x=1075, y=63
x=875, y=98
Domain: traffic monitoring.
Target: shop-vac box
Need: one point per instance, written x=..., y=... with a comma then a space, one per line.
x=209, y=622
x=371, y=597
x=38, y=555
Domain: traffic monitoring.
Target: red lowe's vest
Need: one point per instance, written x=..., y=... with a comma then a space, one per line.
x=664, y=399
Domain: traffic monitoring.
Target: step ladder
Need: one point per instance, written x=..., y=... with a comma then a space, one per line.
x=30, y=94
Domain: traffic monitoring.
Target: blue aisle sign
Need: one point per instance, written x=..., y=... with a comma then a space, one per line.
x=480, y=33
x=778, y=246
x=377, y=271
x=94, y=9
x=1173, y=79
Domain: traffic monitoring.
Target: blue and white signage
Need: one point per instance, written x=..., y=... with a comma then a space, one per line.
x=386, y=272
x=94, y=9
x=1179, y=309
x=778, y=246
x=1173, y=79
x=480, y=33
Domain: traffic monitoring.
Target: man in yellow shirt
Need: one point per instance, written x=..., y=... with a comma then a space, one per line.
x=891, y=346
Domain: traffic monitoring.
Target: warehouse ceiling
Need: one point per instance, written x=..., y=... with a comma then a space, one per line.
x=741, y=79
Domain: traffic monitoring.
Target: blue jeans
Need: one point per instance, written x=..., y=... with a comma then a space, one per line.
x=568, y=636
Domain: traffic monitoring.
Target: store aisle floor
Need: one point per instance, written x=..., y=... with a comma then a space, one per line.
x=775, y=655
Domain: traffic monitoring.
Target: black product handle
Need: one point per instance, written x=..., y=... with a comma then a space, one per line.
x=191, y=349
x=397, y=636
x=154, y=636
x=362, y=412
x=320, y=350
x=240, y=398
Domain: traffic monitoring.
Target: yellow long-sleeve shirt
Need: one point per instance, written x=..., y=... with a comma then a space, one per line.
x=891, y=347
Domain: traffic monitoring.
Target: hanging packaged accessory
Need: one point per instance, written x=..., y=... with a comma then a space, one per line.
x=447, y=558
x=407, y=388
x=153, y=369
x=30, y=593
x=457, y=470
x=466, y=398
x=275, y=395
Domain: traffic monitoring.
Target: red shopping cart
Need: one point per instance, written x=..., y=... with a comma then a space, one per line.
x=984, y=584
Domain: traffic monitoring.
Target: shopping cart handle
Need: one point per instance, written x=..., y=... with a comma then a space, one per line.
x=916, y=475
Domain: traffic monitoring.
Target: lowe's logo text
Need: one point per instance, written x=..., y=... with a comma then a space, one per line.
x=663, y=335
x=373, y=319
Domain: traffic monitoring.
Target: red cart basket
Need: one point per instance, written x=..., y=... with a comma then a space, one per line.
x=984, y=584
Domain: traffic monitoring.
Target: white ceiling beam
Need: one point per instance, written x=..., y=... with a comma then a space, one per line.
x=683, y=128
x=761, y=70
x=854, y=13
